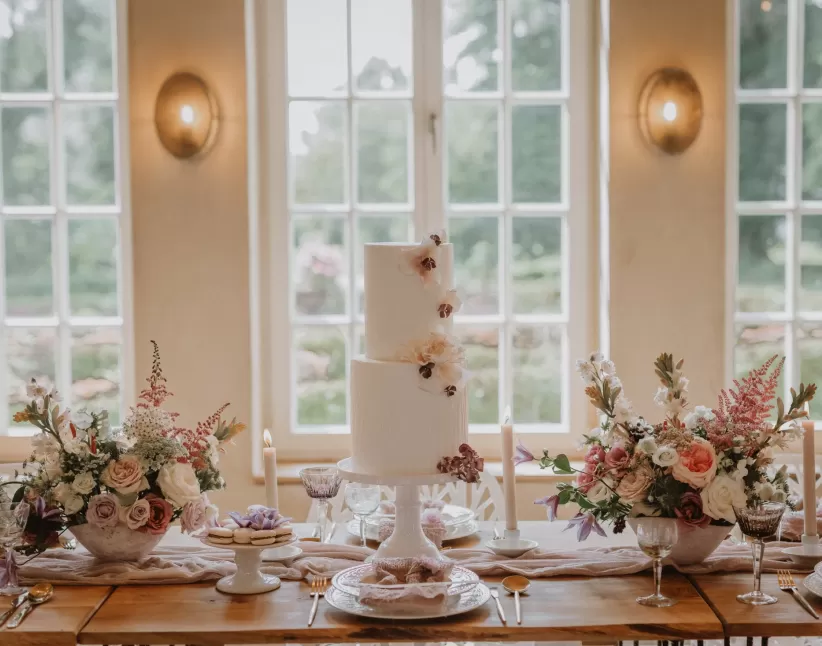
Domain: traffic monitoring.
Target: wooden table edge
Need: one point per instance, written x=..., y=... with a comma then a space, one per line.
x=710, y=604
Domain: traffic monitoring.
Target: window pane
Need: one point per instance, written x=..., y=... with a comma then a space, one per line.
x=89, y=151
x=95, y=370
x=317, y=147
x=23, y=46
x=810, y=259
x=763, y=44
x=381, y=45
x=472, y=130
x=536, y=265
x=809, y=344
x=377, y=228
x=88, y=41
x=93, y=267
x=382, y=151
x=536, y=153
x=29, y=355
x=536, y=45
x=471, y=51
x=476, y=259
x=28, y=268
x=320, y=265
x=762, y=152
x=755, y=344
x=537, y=364
x=26, y=171
x=812, y=151
x=321, y=379
x=317, y=47
x=761, y=274
x=813, y=44
x=482, y=356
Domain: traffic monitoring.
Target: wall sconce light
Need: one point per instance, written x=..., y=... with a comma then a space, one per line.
x=670, y=110
x=185, y=115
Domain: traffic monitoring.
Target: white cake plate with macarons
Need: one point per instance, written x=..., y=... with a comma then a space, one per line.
x=248, y=579
x=408, y=539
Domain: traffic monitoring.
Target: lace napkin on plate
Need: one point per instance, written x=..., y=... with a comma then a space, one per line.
x=432, y=526
x=408, y=580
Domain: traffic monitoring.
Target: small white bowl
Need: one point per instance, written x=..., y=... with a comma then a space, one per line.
x=511, y=547
x=805, y=556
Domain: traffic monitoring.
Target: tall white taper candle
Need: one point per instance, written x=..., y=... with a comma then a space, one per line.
x=809, y=482
x=272, y=498
x=509, y=482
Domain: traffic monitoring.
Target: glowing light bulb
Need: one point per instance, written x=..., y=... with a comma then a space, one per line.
x=669, y=111
x=187, y=114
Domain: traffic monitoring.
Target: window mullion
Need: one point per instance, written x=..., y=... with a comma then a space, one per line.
x=796, y=17
x=429, y=118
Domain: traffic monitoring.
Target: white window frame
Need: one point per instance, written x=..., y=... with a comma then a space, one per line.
x=270, y=232
x=14, y=442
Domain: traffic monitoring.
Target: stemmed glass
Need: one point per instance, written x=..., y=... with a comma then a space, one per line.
x=758, y=521
x=363, y=500
x=13, y=517
x=656, y=538
x=322, y=484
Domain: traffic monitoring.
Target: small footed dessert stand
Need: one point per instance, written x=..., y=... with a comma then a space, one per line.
x=408, y=539
x=248, y=579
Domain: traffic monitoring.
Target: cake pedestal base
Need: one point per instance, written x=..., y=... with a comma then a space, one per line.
x=408, y=539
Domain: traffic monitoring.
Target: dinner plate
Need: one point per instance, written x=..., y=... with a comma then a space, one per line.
x=452, y=532
x=813, y=583
x=451, y=515
x=349, y=580
x=466, y=602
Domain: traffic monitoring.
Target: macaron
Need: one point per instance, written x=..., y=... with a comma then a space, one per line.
x=220, y=540
x=220, y=532
x=282, y=530
x=243, y=535
x=268, y=540
x=263, y=533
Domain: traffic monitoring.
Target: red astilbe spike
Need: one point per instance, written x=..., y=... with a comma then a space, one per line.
x=157, y=392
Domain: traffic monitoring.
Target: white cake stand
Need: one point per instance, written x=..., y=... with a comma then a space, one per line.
x=248, y=579
x=408, y=539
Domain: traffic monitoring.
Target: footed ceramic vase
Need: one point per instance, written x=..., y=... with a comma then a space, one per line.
x=695, y=545
x=118, y=543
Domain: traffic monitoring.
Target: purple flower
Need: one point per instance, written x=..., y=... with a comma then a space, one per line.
x=522, y=454
x=584, y=522
x=259, y=517
x=552, y=504
x=40, y=510
x=8, y=570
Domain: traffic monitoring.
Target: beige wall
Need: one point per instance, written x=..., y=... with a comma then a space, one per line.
x=190, y=218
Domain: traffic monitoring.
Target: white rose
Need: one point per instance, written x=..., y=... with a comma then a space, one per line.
x=70, y=501
x=765, y=491
x=720, y=496
x=647, y=445
x=598, y=492
x=179, y=483
x=52, y=470
x=72, y=505
x=61, y=491
x=83, y=483
x=665, y=456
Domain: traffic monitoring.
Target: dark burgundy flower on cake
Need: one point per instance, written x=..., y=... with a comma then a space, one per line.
x=466, y=466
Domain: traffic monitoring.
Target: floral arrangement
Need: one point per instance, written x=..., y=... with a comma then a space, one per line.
x=145, y=475
x=695, y=465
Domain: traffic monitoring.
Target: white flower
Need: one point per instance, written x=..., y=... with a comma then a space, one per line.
x=613, y=381
x=586, y=371
x=647, y=445
x=596, y=357
x=607, y=367
x=76, y=446
x=741, y=471
x=595, y=432
x=72, y=505
x=82, y=420
x=720, y=496
x=45, y=447
x=70, y=501
x=698, y=417
x=83, y=483
x=623, y=411
x=765, y=491
x=178, y=483
x=779, y=496
x=449, y=304
x=52, y=470
x=665, y=456
x=598, y=492
x=35, y=390
x=682, y=384
x=661, y=396
x=147, y=423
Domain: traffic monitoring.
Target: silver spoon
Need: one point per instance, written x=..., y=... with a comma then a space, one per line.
x=516, y=585
x=40, y=593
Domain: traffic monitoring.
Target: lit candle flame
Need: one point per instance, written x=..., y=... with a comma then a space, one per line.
x=267, y=439
x=507, y=415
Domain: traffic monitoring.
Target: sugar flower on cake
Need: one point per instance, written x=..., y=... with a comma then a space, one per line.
x=449, y=304
x=695, y=465
x=441, y=361
x=466, y=466
x=423, y=259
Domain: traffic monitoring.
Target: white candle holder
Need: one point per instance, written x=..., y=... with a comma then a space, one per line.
x=512, y=534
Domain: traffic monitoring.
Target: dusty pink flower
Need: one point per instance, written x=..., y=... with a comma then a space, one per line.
x=137, y=515
x=634, y=486
x=551, y=505
x=103, y=510
x=194, y=515
x=697, y=464
x=586, y=479
x=159, y=516
x=690, y=510
x=595, y=455
x=125, y=475
x=522, y=454
x=617, y=459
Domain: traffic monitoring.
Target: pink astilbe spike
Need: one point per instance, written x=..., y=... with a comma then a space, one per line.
x=157, y=392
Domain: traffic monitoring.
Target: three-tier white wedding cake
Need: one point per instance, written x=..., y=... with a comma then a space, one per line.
x=408, y=400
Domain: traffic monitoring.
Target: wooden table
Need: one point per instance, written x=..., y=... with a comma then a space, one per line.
x=58, y=622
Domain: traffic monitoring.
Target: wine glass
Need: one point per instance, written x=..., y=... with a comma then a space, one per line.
x=656, y=538
x=363, y=500
x=322, y=484
x=13, y=517
x=758, y=521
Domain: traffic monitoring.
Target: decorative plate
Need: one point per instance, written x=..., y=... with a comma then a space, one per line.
x=452, y=532
x=451, y=515
x=813, y=582
x=348, y=581
x=466, y=602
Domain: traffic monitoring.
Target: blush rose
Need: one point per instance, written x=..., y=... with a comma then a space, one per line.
x=103, y=510
x=159, y=515
x=697, y=464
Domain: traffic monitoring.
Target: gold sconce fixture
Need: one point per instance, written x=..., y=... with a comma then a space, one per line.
x=185, y=115
x=670, y=110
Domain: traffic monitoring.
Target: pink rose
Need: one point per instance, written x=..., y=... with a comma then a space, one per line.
x=194, y=515
x=617, y=459
x=690, y=510
x=103, y=510
x=159, y=514
x=137, y=515
x=596, y=454
x=634, y=486
x=125, y=475
x=697, y=464
x=586, y=480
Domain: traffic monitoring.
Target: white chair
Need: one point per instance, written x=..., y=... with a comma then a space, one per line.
x=796, y=475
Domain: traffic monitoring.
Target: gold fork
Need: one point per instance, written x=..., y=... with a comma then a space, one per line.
x=786, y=584
x=319, y=586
